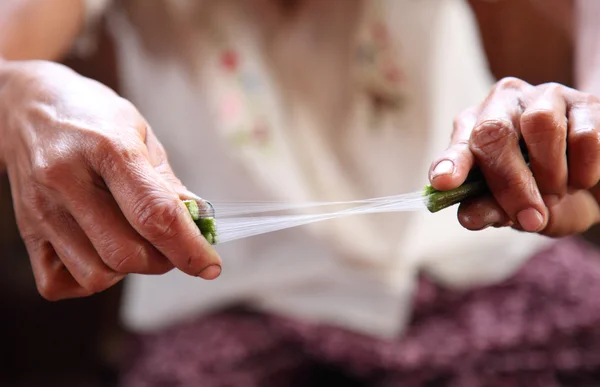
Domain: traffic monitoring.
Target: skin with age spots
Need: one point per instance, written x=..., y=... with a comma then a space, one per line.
x=94, y=195
x=558, y=193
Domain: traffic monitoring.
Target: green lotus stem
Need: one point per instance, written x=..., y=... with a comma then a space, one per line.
x=473, y=186
x=205, y=222
x=436, y=200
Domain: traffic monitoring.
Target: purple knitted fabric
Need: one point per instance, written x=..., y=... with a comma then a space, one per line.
x=539, y=328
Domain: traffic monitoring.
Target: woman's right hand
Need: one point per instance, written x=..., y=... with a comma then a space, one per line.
x=94, y=195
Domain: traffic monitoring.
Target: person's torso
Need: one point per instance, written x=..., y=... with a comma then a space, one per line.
x=339, y=102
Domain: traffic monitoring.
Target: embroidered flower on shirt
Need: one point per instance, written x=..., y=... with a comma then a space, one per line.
x=261, y=134
x=231, y=108
x=230, y=60
x=378, y=73
x=365, y=54
x=394, y=75
x=250, y=82
x=242, y=106
x=380, y=34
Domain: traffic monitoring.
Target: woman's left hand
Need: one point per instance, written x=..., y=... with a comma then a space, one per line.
x=559, y=195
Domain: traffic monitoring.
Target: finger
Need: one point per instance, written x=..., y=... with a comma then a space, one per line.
x=575, y=214
x=544, y=129
x=154, y=209
x=86, y=197
x=120, y=247
x=584, y=145
x=78, y=255
x=451, y=169
x=54, y=282
x=495, y=145
x=481, y=213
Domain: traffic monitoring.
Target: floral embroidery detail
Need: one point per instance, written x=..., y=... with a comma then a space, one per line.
x=261, y=134
x=231, y=108
x=365, y=55
x=250, y=82
x=380, y=34
x=394, y=75
x=230, y=60
x=241, y=107
x=377, y=71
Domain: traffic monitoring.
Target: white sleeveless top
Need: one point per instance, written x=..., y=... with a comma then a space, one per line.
x=306, y=123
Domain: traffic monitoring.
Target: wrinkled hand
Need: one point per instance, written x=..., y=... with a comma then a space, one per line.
x=94, y=195
x=559, y=195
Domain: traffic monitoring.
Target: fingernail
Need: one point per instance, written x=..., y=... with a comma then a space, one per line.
x=530, y=220
x=444, y=167
x=211, y=272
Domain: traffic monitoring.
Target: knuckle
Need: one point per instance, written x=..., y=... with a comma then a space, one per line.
x=30, y=240
x=464, y=116
x=48, y=289
x=54, y=172
x=39, y=113
x=126, y=259
x=541, y=119
x=157, y=216
x=584, y=157
x=49, y=294
x=44, y=175
x=117, y=147
x=491, y=136
x=129, y=109
x=554, y=88
x=132, y=116
x=458, y=148
x=584, y=100
x=36, y=207
x=114, y=151
x=586, y=139
x=97, y=282
x=510, y=83
x=542, y=125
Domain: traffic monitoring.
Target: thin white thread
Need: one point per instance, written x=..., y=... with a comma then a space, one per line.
x=241, y=220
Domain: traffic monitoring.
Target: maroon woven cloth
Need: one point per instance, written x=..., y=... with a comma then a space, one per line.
x=539, y=328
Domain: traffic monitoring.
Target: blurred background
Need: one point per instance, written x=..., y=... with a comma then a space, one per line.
x=79, y=343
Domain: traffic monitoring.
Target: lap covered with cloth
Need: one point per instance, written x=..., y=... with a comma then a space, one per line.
x=538, y=328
